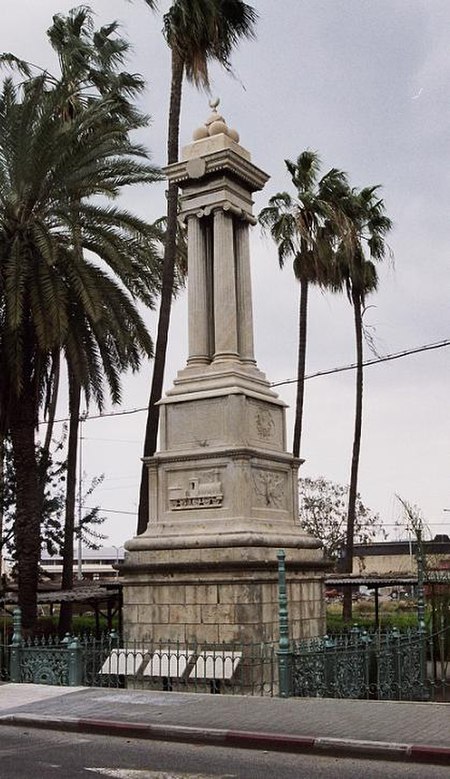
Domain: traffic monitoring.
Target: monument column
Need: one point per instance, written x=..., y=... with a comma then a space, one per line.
x=223, y=488
x=199, y=352
x=225, y=304
x=244, y=292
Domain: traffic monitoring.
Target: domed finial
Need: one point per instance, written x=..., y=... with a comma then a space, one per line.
x=214, y=125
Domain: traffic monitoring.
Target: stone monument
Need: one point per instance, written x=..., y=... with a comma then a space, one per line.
x=223, y=488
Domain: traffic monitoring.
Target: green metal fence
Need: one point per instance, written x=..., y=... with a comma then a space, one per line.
x=212, y=668
x=382, y=665
x=4, y=662
x=249, y=669
x=388, y=665
x=43, y=660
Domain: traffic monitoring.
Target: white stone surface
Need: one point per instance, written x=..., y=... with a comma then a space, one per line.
x=223, y=488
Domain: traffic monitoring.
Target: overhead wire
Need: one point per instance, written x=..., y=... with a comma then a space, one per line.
x=339, y=369
x=327, y=372
x=373, y=361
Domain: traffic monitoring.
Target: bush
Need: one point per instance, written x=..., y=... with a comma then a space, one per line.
x=391, y=617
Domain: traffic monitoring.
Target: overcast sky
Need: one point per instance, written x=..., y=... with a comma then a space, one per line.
x=366, y=83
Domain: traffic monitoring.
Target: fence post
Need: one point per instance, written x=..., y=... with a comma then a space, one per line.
x=284, y=647
x=15, y=647
x=329, y=665
x=421, y=617
x=75, y=667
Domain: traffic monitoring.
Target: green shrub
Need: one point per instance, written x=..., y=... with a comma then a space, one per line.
x=364, y=617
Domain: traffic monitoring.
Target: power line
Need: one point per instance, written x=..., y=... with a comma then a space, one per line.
x=374, y=361
x=113, y=440
x=328, y=372
x=110, y=511
x=102, y=415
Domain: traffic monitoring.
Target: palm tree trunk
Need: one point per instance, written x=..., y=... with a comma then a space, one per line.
x=301, y=365
x=151, y=431
x=2, y=494
x=65, y=614
x=28, y=518
x=353, y=490
x=45, y=451
x=51, y=410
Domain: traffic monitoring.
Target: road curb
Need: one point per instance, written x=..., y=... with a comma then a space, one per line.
x=282, y=742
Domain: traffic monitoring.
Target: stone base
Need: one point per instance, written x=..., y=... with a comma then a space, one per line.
x=220, y=596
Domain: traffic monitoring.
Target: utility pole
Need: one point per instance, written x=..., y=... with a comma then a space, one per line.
x=80, y=502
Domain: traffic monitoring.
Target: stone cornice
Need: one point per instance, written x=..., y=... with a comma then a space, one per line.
x=224, y=160
x=268, y=566
x=206, y=386
x=227, y=452
x=226, y=206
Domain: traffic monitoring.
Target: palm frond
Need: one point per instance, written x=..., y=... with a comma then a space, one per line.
x=203, y=30
x=52, y=297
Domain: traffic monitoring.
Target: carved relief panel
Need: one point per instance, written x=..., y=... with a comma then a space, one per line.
x=195, y=490
x=270, y=489
x=265, y=425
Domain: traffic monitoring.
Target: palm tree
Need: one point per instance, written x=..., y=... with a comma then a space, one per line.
x=89, y=63
x=305, y=230
x=197, y=32
x=45, y=280
x=363, y=245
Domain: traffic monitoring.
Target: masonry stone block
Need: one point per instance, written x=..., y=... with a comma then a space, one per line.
x=164, y=632
x=153, y=614
x=202, y=634
x=220, y=614
x=202, y=594
x=248, y=612
x=131, y=615
x=187, y=615
x=172, y=595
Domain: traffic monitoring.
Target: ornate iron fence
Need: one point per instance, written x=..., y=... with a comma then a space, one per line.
x=388, y=665
x=44, y=660
x=217, y=668
x=383, y=665
x=4, y=661
x=110, y=661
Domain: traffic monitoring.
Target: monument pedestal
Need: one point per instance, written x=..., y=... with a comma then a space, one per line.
x=223, y=489
x=226, y=596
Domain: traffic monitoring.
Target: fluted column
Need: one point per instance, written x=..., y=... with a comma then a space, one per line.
x=244, y=292
x=197, y=293
x=225, y=305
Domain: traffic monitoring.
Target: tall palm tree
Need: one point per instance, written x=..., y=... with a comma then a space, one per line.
x=44, y=169
x=306, y=229
x=197, y=32
x=90, y=62
x=364, y=245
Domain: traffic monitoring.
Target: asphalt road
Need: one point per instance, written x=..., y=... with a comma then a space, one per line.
x=35, y=754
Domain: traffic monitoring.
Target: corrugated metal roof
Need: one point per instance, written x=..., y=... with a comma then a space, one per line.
x=84, y=593
x=369, y=581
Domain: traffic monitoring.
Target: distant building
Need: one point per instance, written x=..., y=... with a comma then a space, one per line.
x=400, y=557
x=95, y=564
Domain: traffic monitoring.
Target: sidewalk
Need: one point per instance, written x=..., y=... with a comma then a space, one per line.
x=418, y=732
